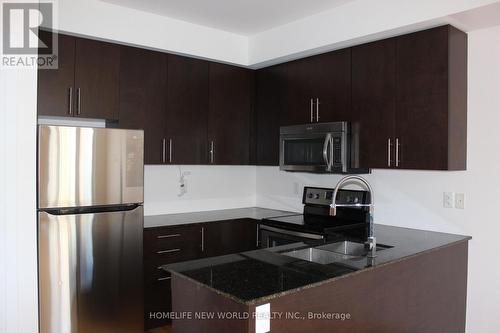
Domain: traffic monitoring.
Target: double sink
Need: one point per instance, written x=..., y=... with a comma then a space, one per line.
x=334, y=252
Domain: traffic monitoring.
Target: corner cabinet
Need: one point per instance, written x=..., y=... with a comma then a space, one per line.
x=172, y=244
x=86, y=84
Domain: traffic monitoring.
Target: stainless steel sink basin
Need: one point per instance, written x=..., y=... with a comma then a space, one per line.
x=334, y=252
x=350, y=248
x=315, y=255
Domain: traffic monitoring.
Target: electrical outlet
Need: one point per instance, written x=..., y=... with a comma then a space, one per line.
x=460, y=200
x=448, y=200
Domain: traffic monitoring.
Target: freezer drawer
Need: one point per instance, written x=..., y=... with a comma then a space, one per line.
x=79, y=166
x=90, y=272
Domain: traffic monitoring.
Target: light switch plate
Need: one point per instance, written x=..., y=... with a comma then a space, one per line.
x=460, y=200
x=448, y=199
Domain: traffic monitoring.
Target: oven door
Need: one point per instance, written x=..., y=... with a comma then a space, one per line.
x=273, y=236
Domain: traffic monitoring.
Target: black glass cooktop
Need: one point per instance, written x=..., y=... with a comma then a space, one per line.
x=311, y=223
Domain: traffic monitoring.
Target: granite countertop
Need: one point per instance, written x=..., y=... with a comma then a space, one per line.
x=258, y=276
x=213, y=215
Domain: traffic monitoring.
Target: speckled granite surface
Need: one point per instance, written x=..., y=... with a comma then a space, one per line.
x=257, y=276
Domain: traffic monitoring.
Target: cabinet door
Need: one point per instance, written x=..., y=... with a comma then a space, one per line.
x=270, y=105
x=187, y=110
x=422, y=118
x=299, y=108
x=56, y=86
x=373, y=101
x=143, y=77
x=97, y=68
x=226, y=237
x=330, y=76
x=229, y=114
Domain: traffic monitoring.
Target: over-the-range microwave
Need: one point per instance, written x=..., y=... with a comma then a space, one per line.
x=321, y=148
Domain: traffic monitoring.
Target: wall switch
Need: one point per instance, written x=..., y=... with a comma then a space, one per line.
x=448, y=199
x=460, y=200
x=296, y=188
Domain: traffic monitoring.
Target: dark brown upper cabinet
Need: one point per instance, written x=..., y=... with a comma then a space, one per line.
x=187, y=110
x=86, y=84
x=270, y=104
x=56, y=86
x=318, y=89
x=230, y=113
x=374, y=101
x=431, y=100
x=97, y=76
x=143, y=99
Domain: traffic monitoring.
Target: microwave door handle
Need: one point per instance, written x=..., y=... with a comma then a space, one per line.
x=328, y=140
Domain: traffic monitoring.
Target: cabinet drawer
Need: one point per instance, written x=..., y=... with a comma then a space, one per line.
x=171, y=242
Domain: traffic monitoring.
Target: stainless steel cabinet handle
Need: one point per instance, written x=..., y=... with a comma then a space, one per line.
x=312, y=110
x=212, y=152
x=70, y=101
x=328, y=140
x=170, y=151
x=317, y=110
x=163, y=279
x=202, y=239
x=398, y=161
x=168, y=251
x=78, y=102
x=257, y=242
x=164, y=151
x=168, y=236
x=389, y=145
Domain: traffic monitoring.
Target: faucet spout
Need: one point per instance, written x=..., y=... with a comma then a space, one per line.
x=371, y=240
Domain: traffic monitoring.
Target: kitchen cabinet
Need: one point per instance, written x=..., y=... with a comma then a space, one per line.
x=171, y=244
x=87, y=82
x=56, y=86
x=431, y=100
x=97, y=68
x=318, y=89
x=409, y=97
x=374, y=101
x=143, y=98
x=270, y=104
x=230, y=113
x=226, y=237
x=187, y=110
x=165, y=245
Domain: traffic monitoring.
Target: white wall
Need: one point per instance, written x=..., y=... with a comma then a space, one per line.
x=18, y=239
x=350, y=24
x=415, y=198
x=208, y=188
x=116, y=23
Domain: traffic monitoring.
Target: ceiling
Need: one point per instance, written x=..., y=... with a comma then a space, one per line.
x=243, y=17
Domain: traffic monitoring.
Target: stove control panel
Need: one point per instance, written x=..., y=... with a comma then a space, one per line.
x=323, y=196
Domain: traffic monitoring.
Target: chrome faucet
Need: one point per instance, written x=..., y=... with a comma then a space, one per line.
x=371, y=241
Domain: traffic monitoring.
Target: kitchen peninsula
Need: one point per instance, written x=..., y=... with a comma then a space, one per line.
x=416, y=283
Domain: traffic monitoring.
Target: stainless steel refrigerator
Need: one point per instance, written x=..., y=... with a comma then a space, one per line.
x=90, y=224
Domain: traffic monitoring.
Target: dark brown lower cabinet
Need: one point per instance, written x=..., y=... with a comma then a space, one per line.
x=171, y=244
x=226, y=237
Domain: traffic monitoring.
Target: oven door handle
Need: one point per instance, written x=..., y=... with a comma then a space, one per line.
x=329, y=163
x=292, y=233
